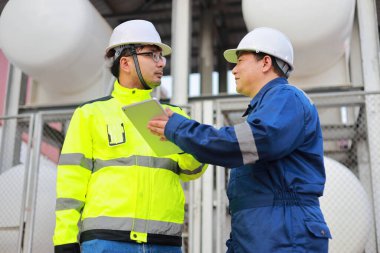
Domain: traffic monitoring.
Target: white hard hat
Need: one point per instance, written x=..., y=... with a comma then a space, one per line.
x=264, y=40
x=137, y=32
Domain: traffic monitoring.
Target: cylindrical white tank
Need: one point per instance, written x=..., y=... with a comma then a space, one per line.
x=59, y=43
x=11, y=183
x=347, y=209
x=11, y=186
x=319, y=30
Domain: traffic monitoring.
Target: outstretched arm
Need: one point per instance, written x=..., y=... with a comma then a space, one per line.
x=206, y=143
x=271, y=132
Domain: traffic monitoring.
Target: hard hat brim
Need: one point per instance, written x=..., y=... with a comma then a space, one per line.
x=230, y=55
x=166, y=50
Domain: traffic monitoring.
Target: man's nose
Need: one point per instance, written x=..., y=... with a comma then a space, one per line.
x=234, y=71
x=162, y=62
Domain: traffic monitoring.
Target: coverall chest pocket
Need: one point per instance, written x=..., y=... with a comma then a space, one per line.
x=116, y=134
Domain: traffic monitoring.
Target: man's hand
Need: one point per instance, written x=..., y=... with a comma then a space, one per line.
x=157, y=124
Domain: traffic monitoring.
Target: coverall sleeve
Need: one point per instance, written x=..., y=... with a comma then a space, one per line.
x=272, y=131
x=73, y=174
x=189, y=167
x=206, y=143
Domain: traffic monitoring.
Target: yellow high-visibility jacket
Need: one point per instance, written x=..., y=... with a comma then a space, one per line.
x=111, y=185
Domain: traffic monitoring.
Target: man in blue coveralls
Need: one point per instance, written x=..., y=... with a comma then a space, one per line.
x=276, y=154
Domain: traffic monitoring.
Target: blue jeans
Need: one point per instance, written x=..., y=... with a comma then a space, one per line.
x=104, y=246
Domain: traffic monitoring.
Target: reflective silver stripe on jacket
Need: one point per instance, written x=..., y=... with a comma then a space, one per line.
x=75, y=159
x=192, y=172
x=68, y=203
x=246, y=143
x=145, y=161
x=131, y=224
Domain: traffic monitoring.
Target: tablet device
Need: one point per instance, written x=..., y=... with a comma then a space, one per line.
x=140, y=114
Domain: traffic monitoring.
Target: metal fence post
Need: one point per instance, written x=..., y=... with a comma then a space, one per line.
x=32, y=184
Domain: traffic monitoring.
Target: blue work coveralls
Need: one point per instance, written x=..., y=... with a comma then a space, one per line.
x=277, y=172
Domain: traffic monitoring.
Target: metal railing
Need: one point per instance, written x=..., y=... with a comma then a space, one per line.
x=30, y=146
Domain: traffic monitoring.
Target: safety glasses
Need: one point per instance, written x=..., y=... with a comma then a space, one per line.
x=156, y=56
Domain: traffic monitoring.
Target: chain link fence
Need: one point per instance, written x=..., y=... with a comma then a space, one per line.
x=30, y=147
x=49, y=136
x=15, y=145
x=348, y=201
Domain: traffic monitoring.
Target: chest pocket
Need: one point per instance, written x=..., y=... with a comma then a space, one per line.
x=116, y=134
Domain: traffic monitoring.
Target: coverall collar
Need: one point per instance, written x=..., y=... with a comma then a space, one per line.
x=129, y=96
x=268, y=86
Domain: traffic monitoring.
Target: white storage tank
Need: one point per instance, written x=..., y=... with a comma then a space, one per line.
x=11, y=190
x=320, y=32
x=347, y=209
x=60, y=44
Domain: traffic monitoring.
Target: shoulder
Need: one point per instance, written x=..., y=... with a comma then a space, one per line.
x=102, y=99
x=165, y=104
x=290, y=91
x=91, y=107
x=175, y=109
x=301, y=95
x=172, y=107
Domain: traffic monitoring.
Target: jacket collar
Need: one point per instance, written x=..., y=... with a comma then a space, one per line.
x=257, y=98
x=129, y=96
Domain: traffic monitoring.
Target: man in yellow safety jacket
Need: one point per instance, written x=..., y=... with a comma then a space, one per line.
x=114, y=194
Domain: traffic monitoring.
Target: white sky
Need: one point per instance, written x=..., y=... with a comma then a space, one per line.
x=194, y=84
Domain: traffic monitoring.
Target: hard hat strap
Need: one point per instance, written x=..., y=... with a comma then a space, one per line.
x=138, y=71
x=281, y=66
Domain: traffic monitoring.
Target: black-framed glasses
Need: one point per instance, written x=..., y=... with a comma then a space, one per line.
x=156, y=56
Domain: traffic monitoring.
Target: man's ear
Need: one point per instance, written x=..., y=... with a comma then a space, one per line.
x=125, y=64
x=267, y=63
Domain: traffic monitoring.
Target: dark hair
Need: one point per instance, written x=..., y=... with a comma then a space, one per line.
x=259, y=56
x=115, y=67
x=127, y=51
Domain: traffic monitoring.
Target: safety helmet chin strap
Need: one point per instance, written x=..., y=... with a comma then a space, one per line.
x=137, y=66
